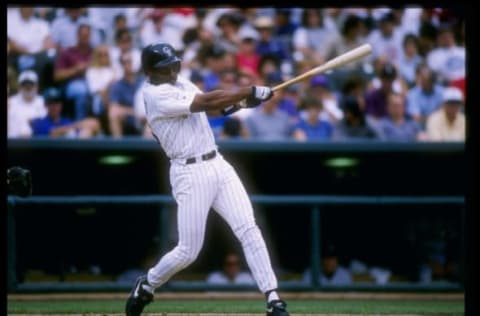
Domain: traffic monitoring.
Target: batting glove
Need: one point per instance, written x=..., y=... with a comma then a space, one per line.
x=259, y=94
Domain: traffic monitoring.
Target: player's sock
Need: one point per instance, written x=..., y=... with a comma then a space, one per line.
x=148, y=287
x=271, y=295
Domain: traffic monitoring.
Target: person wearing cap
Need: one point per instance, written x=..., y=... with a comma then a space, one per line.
x=24, y=106
x=331, y=272
x=376, y=99
x=53, y=124
x=247, y=57
x=267, y=43
x=448, y=122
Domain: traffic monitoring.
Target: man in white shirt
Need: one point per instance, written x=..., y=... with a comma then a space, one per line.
x=448, y=60
x=25, y=106
x=27, y=34
x=448, y=122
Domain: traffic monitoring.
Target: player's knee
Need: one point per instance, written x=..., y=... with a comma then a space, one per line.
x=186, y=255
x=249, y=234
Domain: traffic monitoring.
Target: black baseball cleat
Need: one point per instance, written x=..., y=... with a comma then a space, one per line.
x=277, y=308
x=139, y=298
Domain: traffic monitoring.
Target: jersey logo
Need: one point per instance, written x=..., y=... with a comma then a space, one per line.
x=167, y=51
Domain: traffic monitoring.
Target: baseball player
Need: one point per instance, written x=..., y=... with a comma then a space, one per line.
x=199, y=176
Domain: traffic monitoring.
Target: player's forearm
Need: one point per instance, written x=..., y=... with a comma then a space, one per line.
x=219, y=99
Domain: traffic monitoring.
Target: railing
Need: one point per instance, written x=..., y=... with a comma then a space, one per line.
x=316, y=201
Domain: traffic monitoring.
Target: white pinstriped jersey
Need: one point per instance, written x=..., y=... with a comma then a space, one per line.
x=181, y=134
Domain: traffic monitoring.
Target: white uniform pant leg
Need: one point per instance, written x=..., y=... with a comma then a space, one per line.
x=193, y=188
x=233, y=204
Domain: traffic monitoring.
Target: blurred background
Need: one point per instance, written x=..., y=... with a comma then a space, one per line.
x=357, y=175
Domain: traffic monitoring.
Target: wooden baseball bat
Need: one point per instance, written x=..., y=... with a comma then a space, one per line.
x=336, y=62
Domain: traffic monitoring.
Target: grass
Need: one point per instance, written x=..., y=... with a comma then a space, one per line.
x=359, y=307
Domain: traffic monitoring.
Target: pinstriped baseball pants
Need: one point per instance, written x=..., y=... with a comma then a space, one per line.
x=197, y=188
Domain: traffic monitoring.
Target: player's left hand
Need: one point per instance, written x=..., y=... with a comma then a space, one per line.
x=259, y=94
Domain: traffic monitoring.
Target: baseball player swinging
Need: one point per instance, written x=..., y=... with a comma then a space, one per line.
x=200, y=177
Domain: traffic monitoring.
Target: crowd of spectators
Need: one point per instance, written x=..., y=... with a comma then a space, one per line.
x=411, y=88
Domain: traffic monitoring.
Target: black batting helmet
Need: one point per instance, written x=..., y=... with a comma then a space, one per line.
x=158, y=55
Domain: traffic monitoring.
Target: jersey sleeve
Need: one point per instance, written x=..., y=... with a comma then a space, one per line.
x=168, y=101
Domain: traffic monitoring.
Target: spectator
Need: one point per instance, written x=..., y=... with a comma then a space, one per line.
x=354, y=124
x=229, y=24
x=267, y=44
x=70, y=68
x=426, y=38
x=231, y=272
x=247, y=58
x=104, y=20
x=53, y=124
x=195, y=41
x=425, y=97
x=376, y=100
x=387, y=40
x=284, y=28
x=312, y=40
x=155, y=30
x=64, y=29
x=285, y=104
x=228, y=80
x=100, y=75
x=268, y=64
x=267, y=122
x=121, y=114
x=24, y=106
x=410, y=59
x=27, y=34
x=448, y=122
x=396, y=126
x=312, y=127
x=448, y=59
x=320, y=89
x=332, y=273
x=123, y=45
x=355, y=87
x=233, y=128
x=120, y=22
x=350, y=38
x=29, y=45
x=214, y=61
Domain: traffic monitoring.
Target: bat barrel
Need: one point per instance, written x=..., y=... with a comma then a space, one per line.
x=338, y=61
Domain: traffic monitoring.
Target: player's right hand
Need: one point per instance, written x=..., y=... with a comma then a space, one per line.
x=259, y=94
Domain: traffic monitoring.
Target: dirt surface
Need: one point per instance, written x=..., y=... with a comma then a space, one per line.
x=234, y=296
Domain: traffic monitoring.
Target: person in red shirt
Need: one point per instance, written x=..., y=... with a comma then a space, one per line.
x=70, y=68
